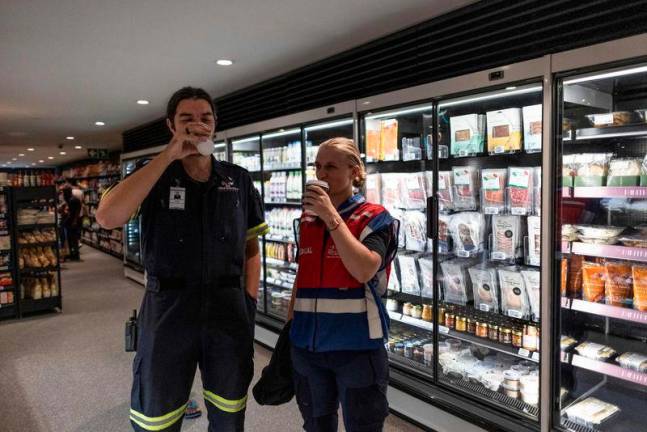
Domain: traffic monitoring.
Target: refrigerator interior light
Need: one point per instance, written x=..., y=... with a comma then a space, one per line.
x=400, y=112
x=282, y=133
x=605, y=75
x=329, y=125
x=220, y=144
x=245, y=140
x=496, y=95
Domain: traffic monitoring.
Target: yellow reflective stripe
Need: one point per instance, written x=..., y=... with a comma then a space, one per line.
x=157, y=423
x=107, y=191
x=258, y=230
x=231, y=406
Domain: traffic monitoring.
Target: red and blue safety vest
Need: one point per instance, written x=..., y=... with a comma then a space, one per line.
x=333, y=310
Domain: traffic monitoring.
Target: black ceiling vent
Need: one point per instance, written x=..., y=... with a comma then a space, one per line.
x=145, y=136
x=482, y=35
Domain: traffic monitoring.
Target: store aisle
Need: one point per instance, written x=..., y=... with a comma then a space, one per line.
x=68, y=372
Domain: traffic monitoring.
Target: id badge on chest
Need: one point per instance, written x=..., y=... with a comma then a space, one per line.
x=177, y=198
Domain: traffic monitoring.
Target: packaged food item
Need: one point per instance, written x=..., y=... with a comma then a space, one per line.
x=591, y=169
x=593, y=276
x=595, y=351
x=534, y=241
x=389, y=140
x=392, y=305
x=467, y=134
x=643, y=172
x=504, y=131
x=407, y=308
x=531, y=279
x=485, y=287
x=392, y=186
x=569, y=170
x=618, y=284
x=426, y=265
x=444, y=221
x=633, y=361
x=394, y=279
x=414, y=194
x=374, y=188
x=416, y=312
x=591, y=412
x=506, y=237
x=399, y=215
x=536, y=194
x=520, y=190
x=574, y=285
x=415, y=228
x=530, y=388
x=514, y=299
x=372, y=140
x=602, y=234
x=411, y=149
x=639, y=274
x=617, y=118
x=468, y=231
x=634, y=240
x=429, y=183
x=408, y=274
x=493, y=183
x=569, y=233
x=532, y=128
x=563, y=276
x=566, y=343
x=466, y=182
x=624, y=172
x=445, y=191
x=456, y=287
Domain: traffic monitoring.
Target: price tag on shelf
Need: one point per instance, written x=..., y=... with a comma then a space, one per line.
x=519, y=211
x=491, y=210
x=535, y=356
x=499, y=150
x=463, y=254
x=499, y=255
x=524, y=352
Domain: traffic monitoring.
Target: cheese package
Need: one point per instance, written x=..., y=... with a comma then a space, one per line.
x=504, y=131
x=466, y=187
x=534, y=241
x=485, y=287
x=591, y=412
x=372, y=140
x=532, y=128
x=415, y=229
x=514, y=299
x=445, y=191
x=408, y=274
x=389, y=140
x=467, y=134
x=374, y=188
x=493, y=185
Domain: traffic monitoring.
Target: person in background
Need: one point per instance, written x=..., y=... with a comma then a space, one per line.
x=71, y=222
x=339, y=323
x=200, y=222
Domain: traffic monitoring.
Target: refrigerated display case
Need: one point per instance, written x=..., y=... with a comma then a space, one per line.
x=600, y=254
x=132, y=251
x=220, y=152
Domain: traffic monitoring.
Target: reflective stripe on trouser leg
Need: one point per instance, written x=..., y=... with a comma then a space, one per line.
x=157, y=423
x=227, y=405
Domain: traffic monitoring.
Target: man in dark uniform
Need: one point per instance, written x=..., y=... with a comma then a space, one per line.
x=71, y=222
x=201, y=219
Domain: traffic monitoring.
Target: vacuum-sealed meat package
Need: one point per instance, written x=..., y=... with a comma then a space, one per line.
x=413, y=192
x=399, y=214
x=593, y=275
x=506, y=238
x=455, y=282
x=445, y=191
x=514, y=299
x=466, y=184
x=426, y=265
x=429, y=183
x=532, y=127
x=618, y=284
x=374, y=188
x=467, y=134
x=504, y=131
x=444, y=221
x=468, y=233
x=415, y=229
x=520, y=190
x=485, y=288
x=493, y=184
x=531, y=280
x=408, y=274
x=392, y=190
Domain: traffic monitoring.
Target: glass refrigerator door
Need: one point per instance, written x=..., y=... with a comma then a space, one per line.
x=399, y=177
x=488, y=231
x=131, y=230
x=220, y=150
x=282, y=189
x=601, y=260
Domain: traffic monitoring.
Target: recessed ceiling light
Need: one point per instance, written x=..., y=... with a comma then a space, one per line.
x=70, y=137
x=31, y=149
x=78, y=147
x=143, y=102
x=99, y=123
x=224, y=62
x=33, y=163
x=50, y=157
x=41, y=161
x=62, y=153
x=14, y=159
x=21, y=154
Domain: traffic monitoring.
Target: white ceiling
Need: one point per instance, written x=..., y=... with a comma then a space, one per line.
x=65, y=64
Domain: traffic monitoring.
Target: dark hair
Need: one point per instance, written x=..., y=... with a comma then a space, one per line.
x=187, y=93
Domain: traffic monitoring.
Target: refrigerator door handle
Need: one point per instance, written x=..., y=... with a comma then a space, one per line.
x=431, y=219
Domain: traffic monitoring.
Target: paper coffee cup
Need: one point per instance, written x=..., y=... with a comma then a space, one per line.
x=205, y=148
x=322, y=184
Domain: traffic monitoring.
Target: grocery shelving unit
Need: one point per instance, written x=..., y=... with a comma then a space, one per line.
x=9, y=293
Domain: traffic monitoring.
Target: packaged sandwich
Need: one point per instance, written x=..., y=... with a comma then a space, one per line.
x=639, y=274
x=520, y=190
x=595, y=351
x=444, y=222
x=514, y=299
x=618, y=284
x=532, y=128
x=408, y=274
x=531, y=280
x=563, y=276
x=633, y=361
x=617, y=118
x=389, y=140
x=413, y=193
x=374, y=188
x=468, y=231
x=534, y=240
x=593, y=275
x=426, y=265
x=493, y=184
x=415, y=229
x=467, y=134
x=445, y=191
x=506, y=237
x=624, y=172
x=592, y=169
x=485, y=288
x=455, y=282
x=466, y=182
x=591, y=412
x=504, y=131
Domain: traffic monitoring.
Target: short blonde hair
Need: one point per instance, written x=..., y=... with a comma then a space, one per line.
x=349, y=148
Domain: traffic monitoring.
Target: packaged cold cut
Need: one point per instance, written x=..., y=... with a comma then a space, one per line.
x=506, y=237
x=591, y=412
x=618, y=284
x=468, y=231
x=445, y=191
x=466, y=183
x=633, y=361
x=534, y=240
x=389, y=140
x=485, y=288
x=444, y=221
x=531, y=280
x=426, y=265
x=617, y=118
x=414, y=194
x=520, y=190
x=408, y=274
x=593, y=275
x=467, y=134
x=374, y=188
x=504, y=131
x=493, y=184
x=532, y=128
x=415, y=229
x=514, y=299
x=456, y=288
x=624, y=172
x=392, y=186
x=595, y=351
x=639, y=274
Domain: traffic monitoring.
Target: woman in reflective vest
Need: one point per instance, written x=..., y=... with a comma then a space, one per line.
x=339, y=324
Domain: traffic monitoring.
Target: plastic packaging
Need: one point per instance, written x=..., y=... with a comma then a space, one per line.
x=506, y=237
x=445, y=191
x=536, y=194
x=468, y=232
x=399, y=215
x=413, y=191
x=531, y=279
x=520, y=190
x=514, y=299
x=504, y=131
x=467, y=134
x=595, y=351
x=617, y=118
x=493, y=183
x=456, y=287
x=392, y=190
x=591, y=412
x=574, y=285
x=415, y=229
x=532, y=128
x=624, y=172
x=485, y=287
x=639, y=274
x=593, y=276
x=633, y=361
x=534, y=240
x=566, y=343
x=618, y=284
x=389, y=140
x=374, y=188
x=408, y=274
x=466, y=182
x=444, y=222
x=426, y=265
x=563, y=276
x=591, y=169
